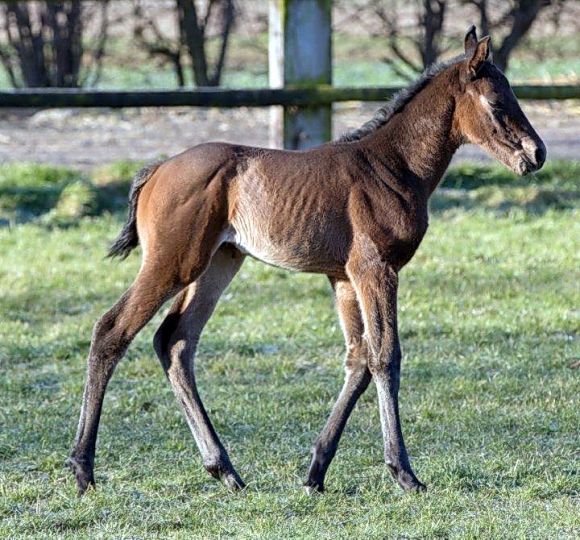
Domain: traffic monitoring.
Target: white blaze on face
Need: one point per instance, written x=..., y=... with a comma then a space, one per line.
x=486, y=105
x=504, y=153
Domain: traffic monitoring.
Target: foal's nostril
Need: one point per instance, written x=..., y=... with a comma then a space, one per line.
x=540, y=155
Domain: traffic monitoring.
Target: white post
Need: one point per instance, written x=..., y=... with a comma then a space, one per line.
x=300, y=56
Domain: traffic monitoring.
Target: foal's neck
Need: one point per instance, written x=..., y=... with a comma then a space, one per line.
x=419, y=141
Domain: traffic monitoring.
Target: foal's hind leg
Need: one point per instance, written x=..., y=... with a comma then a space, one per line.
x=111, y=336
x=356, y=382
x=175, y=343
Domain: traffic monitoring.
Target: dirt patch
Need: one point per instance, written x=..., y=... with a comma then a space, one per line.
x=85, y=138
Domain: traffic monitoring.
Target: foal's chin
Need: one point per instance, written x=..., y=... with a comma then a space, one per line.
x=522, y=167
x=517, y=164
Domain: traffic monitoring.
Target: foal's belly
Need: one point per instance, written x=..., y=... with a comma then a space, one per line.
x=291, y=256
x=292, y=222
x=295, y=248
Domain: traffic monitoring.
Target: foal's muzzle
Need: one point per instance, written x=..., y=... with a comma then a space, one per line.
x=533, y=156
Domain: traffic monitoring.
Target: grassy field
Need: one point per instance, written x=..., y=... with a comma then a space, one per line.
x=489, y=327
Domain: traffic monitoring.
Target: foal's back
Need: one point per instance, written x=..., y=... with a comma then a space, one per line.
x=285, y=208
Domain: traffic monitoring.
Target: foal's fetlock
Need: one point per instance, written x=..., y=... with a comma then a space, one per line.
x=225, y=473
x=406, y=478
x=83, y=472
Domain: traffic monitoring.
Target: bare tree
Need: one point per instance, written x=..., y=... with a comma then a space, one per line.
x=416, y=45
x=44, y=43
x=195, y=23
x=147, y=33
x=517, y=16
x=415, y=32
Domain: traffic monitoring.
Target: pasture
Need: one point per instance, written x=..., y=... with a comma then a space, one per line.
x=489, y=394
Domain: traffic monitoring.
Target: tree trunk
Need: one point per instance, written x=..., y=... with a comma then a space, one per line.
x=194, y=40
x=524, y=16
x=228, y=18
x=45, y=42
x=431, y=21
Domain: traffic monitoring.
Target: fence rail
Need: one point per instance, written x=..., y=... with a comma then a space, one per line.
x=258, y=97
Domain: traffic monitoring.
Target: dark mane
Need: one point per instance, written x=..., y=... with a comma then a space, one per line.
x=398, y=101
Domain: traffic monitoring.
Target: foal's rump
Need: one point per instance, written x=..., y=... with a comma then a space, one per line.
x=183, y=208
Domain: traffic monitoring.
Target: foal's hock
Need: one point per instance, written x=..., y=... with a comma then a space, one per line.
x=354, y=209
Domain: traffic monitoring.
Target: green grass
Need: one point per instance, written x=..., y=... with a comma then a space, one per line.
x=59, y=195
x=489, y=327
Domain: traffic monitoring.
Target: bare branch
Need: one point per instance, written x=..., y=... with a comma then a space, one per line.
x=6, y=61
x=95, y=66
x=160, y=46
x=5, y=56
x=398, y=70
x=228, y=17
x=394, y=39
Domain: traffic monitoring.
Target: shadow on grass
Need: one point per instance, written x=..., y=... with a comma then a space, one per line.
x=532, y=200
x=60, y=197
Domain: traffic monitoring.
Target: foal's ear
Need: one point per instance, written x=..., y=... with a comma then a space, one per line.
x=480, y=55
x=470, y=40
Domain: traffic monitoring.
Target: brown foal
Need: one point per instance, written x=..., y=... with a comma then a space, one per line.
x=354, y=209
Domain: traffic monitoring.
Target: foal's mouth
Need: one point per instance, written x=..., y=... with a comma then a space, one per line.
x=525, y=166
x=518, y=162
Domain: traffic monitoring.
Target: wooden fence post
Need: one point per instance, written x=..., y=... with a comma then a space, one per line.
x=300, y=56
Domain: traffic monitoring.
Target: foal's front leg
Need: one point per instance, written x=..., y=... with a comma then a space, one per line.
x=376, y=286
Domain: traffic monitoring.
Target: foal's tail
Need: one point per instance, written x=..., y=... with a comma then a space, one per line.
x=128, y=238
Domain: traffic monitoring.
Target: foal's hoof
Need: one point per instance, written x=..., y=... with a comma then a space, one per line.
x=313, y=487
x=83, y=474
x=226, y=474
x=232, y=481
x=406, y=479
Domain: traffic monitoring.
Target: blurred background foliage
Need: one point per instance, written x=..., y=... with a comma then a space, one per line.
x=145, y=43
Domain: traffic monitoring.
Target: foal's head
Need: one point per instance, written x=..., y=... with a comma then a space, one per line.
x=488, y=113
